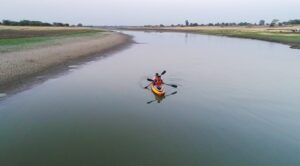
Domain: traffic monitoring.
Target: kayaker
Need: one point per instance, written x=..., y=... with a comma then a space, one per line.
x=157, y=81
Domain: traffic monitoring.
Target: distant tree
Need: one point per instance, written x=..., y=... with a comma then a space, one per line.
x=274, y=22
x=187, y=23
x=244, y=24
x=193, y=24
x=5, y=22
x=8, y=22
x=79, y=25
x=25, y=23
x=58, y=24
x=161, y=25
x=294, y=22
x=210, y=24
x=262, y=22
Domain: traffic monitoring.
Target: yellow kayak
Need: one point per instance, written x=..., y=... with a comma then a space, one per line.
x=158, y=91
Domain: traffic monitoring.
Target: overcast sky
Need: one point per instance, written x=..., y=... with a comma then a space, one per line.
x=141, y=12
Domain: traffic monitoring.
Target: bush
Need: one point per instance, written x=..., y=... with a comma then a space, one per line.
x=194, y=24
x=244, y=24
x=294, y=22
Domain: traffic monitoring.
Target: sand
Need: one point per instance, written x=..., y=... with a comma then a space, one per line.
x=17, y=65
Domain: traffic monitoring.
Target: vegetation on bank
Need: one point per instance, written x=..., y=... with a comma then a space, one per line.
x=287, y=35
x=35, y=23
x=287, y=32
x=7, y=32
x=273, y=23
x=29, y=40
x=292, y=39
x=13, y=38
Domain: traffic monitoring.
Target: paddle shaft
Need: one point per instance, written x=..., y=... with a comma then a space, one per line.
x=172, y=85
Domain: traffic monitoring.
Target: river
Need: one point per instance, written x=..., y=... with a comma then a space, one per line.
x=237, y=103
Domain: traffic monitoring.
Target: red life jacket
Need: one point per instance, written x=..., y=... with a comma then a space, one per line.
x=158, y=81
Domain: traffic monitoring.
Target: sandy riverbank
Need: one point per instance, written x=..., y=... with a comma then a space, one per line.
x=23, y=63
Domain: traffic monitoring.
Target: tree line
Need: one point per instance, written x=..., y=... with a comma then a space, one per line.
x=35, y=23
x=274, y=22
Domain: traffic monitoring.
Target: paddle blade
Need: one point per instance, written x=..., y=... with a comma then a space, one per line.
x=149, y=102
x=164, y=72
x=149, y=79
x=172, y=85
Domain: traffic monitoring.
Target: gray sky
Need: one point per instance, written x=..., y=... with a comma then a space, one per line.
x=141, y=12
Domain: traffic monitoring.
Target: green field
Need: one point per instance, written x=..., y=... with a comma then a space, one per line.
x=32, y=40
x=12, y=38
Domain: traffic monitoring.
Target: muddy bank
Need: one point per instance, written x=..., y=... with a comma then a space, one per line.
x=23, y=64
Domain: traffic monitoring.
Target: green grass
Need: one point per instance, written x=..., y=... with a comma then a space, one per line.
x=8, y=45
x=32, y=40
x=21, y=41
x=287, y=38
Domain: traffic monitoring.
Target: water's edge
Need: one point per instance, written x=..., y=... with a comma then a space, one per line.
x=29, y=81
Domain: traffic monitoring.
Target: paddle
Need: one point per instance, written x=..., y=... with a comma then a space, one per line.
x=149, y=102
x=164, y=72
x=171, y=94
x=172, y=85
x=146, y=87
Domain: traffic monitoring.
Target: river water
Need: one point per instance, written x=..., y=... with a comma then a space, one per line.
x=238, y=103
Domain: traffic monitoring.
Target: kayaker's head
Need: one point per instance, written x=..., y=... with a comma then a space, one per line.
x=157, y=75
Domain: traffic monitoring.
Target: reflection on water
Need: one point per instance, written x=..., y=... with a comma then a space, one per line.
x=159, y=99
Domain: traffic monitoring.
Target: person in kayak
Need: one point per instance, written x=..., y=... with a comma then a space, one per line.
x=157, y=81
